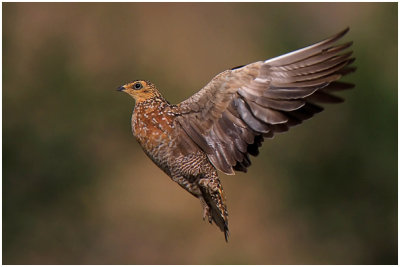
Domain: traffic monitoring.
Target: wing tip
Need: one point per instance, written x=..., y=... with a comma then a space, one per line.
x=345, y=30
x=337, y=36
x=323, y=44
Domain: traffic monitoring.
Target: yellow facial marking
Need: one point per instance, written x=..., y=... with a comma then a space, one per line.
x=140, y=90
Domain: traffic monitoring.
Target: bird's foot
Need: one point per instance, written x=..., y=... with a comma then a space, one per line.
x=207, y=214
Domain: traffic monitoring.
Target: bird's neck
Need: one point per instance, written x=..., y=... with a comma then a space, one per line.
x=151, y=103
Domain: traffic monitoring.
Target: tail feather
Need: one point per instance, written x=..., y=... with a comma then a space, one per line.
x=216, y=209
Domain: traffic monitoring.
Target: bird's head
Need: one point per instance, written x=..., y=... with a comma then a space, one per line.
x=140, y=90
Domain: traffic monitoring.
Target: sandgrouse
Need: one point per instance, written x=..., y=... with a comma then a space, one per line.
x=222, y=124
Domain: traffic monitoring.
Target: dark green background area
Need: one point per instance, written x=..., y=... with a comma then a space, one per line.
x=77, y=188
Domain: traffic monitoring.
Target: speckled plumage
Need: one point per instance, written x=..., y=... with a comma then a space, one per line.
x=226, y=121
x=157, y=131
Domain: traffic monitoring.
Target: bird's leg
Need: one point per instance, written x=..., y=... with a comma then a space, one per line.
x=188, y=185
x=193, y=188
x=209, y=191
x=206, y=210
x=214, y=199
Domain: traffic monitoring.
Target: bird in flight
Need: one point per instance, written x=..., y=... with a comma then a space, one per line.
x=220, y=126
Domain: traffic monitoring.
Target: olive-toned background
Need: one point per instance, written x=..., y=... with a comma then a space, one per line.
x=77, y=188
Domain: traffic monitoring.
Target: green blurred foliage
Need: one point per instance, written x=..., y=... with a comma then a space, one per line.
x=77, y=189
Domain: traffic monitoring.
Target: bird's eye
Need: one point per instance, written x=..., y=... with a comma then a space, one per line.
x=137, y=86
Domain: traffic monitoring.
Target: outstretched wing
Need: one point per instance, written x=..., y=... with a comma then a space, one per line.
x=229, y=118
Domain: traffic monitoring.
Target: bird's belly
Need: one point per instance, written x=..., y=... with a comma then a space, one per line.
x=160, y=146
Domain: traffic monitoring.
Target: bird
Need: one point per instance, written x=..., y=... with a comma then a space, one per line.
x=223, y=124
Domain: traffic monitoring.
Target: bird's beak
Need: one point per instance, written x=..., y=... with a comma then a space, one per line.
x=121, y=88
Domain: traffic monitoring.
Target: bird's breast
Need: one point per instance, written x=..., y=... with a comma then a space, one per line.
x=153, y=127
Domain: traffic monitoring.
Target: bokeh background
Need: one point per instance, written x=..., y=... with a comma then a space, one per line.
x=77, y=188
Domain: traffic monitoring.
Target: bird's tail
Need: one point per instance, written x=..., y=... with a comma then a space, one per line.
x=214, y=206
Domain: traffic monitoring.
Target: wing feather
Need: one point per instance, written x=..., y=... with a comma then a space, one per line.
x=230, y=117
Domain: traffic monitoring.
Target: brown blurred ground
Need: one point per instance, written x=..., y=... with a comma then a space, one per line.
x=77, y=189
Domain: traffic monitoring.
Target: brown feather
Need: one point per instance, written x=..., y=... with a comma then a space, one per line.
x=226, y=117
x=248, y=117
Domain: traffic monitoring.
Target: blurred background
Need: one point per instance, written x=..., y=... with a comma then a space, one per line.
x=77, y=188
